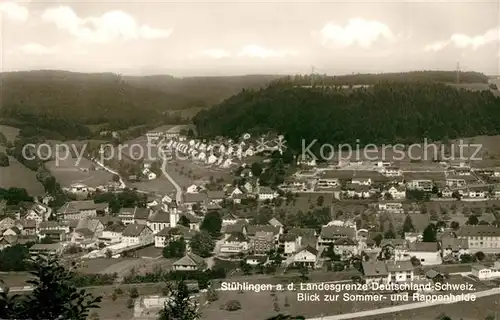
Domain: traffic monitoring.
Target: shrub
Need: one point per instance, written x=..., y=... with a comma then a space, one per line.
x=233, y=305
x=134, y=293
x=212, y=295
x=130, y=303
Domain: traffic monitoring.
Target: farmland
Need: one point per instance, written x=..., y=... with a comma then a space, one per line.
x=10, y=133
x=19, y=176
x=71, y=171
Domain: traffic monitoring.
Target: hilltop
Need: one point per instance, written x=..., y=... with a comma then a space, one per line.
x=387, y=112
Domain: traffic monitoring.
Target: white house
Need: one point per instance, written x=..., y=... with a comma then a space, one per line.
x=192, y=189
x=236, y=243
x=266, y=193
x=392, y=171
x=387, y=271
x=190, y=262
x=420, y=184
x=393, y=207
x=290, y=243
x=137, y=234
x=112, y=234
x=484, y=273
x=426, y=252
x=397, y=193
x=362, y=181
x=162, y=220
x=307, y=257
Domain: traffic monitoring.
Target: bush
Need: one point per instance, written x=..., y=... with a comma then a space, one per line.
x=118, y=291
x=134, y=293
x=114, y=296
x=4, y=160
x=212, y=295
x=233, y=305
x=130, y=303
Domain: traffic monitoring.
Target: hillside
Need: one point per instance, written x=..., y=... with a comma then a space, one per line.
x=385, y=113
x=210, y=90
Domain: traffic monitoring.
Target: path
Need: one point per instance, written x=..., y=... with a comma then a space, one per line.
x=403, y=307
x=122, y=183
x=178, y=193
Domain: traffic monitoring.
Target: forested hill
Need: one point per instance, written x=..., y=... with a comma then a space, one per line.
x=385, y=113
x=372, y=78
x=84, y=98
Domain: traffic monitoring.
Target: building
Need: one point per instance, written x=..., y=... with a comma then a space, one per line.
x=112, y=234
x=426, y=252
x=236, y=243
x=289, y=243
x=420, y=184
x=486, y=273
x=266, y=193
x=306, y=257
x=127, y=215
x=50, y=249
x=329, y=234
x=190, y=262
x=79, y=209
x=392, y=207
x=345, y=247
x=388, y=271
x=481, y=238
x=137, y=234
x=397, y=193
x=452, y=248
x=262, y=242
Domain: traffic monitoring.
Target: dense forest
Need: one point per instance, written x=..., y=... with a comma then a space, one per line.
x=388, y=112
x=374, y=78
x=61, y=104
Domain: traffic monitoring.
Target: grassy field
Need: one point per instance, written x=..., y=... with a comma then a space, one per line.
x=477, y=310
x=10, y=133
x=69, y=171
x=17, y=175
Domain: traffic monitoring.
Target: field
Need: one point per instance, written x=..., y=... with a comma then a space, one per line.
x=477, y=310
x=17, y=175
x=10, y=133
x=69, y=171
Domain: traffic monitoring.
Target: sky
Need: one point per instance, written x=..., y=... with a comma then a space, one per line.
x=200, y=38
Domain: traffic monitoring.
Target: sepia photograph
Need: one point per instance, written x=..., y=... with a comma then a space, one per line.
x=249, y=160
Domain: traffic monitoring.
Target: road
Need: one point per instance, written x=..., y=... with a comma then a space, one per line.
x=178, y=192
x=122, y=183
x=403, y=307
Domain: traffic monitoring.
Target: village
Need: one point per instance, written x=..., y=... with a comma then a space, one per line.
x=377, y=221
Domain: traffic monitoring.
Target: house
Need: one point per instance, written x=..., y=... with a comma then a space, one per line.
x=137, y=235
x=355, y=190
x=345, y=247
x=50, y=249
x=192, y=189
x=126, y=215
x=484, y=273
x=462, y=171
x=397, y=248
x=455, y=182
x=426, y=252
x=236, y=243
x=481, y=238
x=190, y=262
x=87, y=230
x=28, y=227
x=7, y=241
x=275, y=223
x=420, y=184
x=191, y=199
x=262, y=242
x=452, y=248
x=163, y=237
x=141, y=215
x=229, y=218
x=289, y=243
x=392, y=207
x=328, y=180
x=385, y=272
x=7, y=223
x=216, y=196
x=266, y=193
x=231, y=192
x=361, y=181
x=447, y=192
x=79, y=209
x=112, y=234
x=391, y=171
x=397, y=193
x=496, y=192
x=37, y=212
x=307, y=257
x=14, y=231
x=329, y=234
x=478, y=192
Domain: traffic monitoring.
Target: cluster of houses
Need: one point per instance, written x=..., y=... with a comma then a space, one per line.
x=382, y=179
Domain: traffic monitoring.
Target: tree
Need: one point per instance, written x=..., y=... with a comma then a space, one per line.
x=256, y=169
x=212, y=223
x=303, y=273
x=184, y=221
x=390, y=234
x=116, y=178
x=4, y=160
x=212, y=295
x=408, y=225
x=480, y=255
x=202, y=244
x=175, y=248
x=378, y=239
x=134, y=293
x=54, y=295
x=429, y=234
x=286, y=317
x=109, y=254
x=454, y=225
x=180, y=306
x=473, y=220
x=320, y=201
